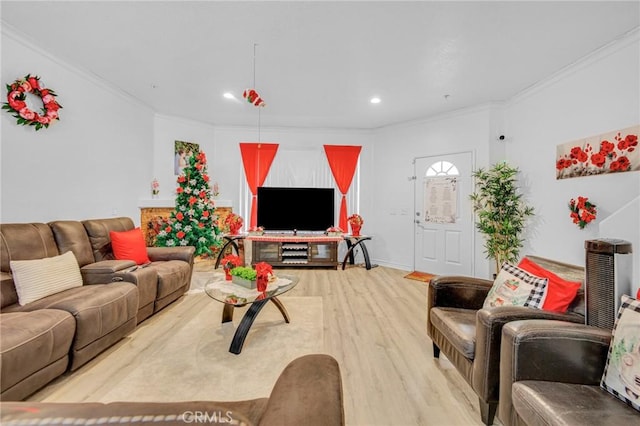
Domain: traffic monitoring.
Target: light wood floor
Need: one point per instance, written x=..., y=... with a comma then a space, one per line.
x=374, y=325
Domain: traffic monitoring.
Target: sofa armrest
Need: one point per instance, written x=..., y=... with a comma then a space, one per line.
x=458, y=292
x=159, y=254
x=103, y=272
x=308, y=392
x=489, y=324
x=557, y=351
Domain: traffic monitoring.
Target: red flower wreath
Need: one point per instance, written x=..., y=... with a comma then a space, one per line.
x=582, y=211
x=17, y=104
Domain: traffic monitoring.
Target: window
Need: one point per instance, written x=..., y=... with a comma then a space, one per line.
x=442, y=168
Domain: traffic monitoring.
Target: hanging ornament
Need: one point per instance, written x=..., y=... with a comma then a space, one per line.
x=253, y=98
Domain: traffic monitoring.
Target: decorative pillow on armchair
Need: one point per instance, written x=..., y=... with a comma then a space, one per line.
x=516, y=287
x=621, y=375
x=560, y=292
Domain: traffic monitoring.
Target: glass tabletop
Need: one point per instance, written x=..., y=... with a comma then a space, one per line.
x=233, y=294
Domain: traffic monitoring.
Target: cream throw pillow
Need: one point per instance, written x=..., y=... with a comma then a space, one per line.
x=516, y=287
x=38, y=278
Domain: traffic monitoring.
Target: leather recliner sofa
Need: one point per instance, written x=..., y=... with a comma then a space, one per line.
x=308, y=392
x=469, y=336
x=550, y=374
x=42, y=339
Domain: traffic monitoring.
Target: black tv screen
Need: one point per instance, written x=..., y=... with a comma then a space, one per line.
x=302, y=209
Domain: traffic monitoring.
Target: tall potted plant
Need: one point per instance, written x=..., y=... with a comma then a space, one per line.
x=501, y=212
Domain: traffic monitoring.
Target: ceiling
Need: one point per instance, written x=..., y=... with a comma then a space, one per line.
x=317, y=64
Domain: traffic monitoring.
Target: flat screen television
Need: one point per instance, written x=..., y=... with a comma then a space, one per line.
x=301, y=209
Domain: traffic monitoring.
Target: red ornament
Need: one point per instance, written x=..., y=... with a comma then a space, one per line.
x=253, y=98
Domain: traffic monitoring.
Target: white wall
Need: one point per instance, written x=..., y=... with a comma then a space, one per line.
x=598, y=95
x=396, y=146
x=167, y=130
x=95, y=162
x=228, y=161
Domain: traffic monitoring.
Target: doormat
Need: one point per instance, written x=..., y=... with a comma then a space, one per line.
x=419, y=276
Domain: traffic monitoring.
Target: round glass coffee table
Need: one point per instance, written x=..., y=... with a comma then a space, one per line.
x=233, y=295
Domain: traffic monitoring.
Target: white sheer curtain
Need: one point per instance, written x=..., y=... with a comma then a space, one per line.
x=303, y=168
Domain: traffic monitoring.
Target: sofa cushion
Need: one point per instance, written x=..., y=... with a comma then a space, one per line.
x=555, y=403
x=459, y=325
x=70, y=235
x=31, y=341
x=98, y=309
x=38, y=278
x=129, y=245
x=172, y=275
x=516, y=287
x=22, y=241
x=621, y=375
x=98, y=233
x=560, y=292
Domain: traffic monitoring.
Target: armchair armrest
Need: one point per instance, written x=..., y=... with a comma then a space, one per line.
x=458, y=292
x=489, y=324
x=185, y=253
x=102, y=272
x=309, y=392
x=557, y=351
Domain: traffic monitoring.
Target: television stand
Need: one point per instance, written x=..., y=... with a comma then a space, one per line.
x=302, y=250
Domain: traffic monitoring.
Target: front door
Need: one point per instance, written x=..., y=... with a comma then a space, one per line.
x=443, y=214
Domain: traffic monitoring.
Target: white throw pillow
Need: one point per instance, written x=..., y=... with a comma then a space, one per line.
x=516, y=287
x=38, y=278
x=621, y=375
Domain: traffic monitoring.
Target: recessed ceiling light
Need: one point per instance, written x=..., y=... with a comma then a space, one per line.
x=229, y=95
x=375, y=100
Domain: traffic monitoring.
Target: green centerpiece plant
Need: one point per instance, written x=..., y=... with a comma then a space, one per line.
x=501, y=212
x=244, y=276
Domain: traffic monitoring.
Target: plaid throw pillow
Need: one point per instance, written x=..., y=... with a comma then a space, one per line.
x=516, y=287
x=621, y=375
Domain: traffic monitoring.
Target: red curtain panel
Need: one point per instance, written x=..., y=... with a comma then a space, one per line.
x=343, y=160
x=257, y=159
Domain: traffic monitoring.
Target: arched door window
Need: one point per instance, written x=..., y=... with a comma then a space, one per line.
x=442, y=168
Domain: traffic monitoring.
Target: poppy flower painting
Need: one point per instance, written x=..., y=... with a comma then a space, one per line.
x=612, y=152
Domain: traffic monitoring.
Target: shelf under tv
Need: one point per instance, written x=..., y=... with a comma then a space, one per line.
x=288, y=250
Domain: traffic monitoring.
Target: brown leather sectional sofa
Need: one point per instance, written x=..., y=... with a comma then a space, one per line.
x=308, y=392
x=42, y=339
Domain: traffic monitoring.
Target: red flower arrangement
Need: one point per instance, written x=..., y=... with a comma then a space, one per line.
x=263, y=272
x=582, y=211
x=17, y=96
x=334, y=230
x=229, y=262
x=234, y=222
x=355, y=219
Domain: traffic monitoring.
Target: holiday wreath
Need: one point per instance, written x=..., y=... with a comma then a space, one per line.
x=17, y=105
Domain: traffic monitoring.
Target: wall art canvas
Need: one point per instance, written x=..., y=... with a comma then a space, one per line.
x=612, y=152
x=183, y=151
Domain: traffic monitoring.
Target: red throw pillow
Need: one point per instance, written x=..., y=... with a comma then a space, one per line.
x=560, y=292
x=129, y=245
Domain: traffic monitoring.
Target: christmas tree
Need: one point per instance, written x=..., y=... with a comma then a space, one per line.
x=193, y=222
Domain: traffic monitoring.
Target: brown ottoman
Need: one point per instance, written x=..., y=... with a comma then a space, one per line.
x=34, y=350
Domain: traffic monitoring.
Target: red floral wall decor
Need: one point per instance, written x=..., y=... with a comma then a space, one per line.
x=612, y=152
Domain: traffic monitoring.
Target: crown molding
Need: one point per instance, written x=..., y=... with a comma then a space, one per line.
x=630, y=37
x=7, y=30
